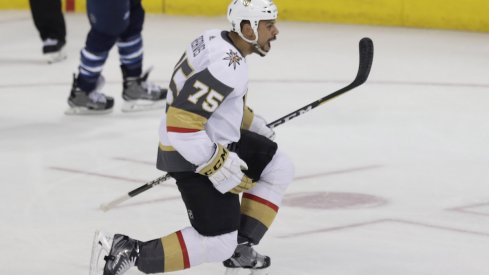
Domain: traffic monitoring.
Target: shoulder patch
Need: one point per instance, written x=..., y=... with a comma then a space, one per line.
x=233, y=58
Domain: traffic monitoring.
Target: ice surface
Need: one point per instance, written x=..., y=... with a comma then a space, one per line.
x=392, y=177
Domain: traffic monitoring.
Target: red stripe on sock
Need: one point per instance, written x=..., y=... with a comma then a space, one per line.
x=180, y=130
x=70, y=5
x=261, y=200
x=186, y=261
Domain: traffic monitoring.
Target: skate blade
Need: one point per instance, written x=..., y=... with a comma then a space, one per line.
x=259, y=272
x=82, y=111
x=100, y=248
x=55, y=57
x=142, y=105
x=243, y=271
x=232, y=271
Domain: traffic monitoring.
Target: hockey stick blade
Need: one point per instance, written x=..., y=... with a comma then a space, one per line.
x=366, y=49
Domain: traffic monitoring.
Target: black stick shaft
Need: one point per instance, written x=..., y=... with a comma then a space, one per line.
x=148, y=185
x=366, y=49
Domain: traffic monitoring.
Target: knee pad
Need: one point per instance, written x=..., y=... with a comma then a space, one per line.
x=280, y=170
x=275, y=179
x=204, y=249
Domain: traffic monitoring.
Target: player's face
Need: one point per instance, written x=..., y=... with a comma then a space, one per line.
x=267, y=32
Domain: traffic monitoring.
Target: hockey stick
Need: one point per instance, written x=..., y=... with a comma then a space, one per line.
x=366, y=49
x=107, y=206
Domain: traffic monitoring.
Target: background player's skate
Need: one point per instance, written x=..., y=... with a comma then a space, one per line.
x=139, y=94
x=93, y=103
x=53, y=50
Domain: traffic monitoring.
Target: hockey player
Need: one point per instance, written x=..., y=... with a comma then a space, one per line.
x=49, y=21
x=215, y=148
x=113, y=22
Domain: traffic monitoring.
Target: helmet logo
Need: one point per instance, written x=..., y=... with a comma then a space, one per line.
x=246, y=3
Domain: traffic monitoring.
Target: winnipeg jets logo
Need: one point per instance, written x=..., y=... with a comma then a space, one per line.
x=233, y=58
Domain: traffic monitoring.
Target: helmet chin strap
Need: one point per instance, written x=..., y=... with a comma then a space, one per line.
x=257, y=49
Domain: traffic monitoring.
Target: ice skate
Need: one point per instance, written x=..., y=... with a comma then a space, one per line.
x=245, y=257
x=140, y=95
x=100, y=248
x=53, y=50
x=123, y=255
x=94, y=103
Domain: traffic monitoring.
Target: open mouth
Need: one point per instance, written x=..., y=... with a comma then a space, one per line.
x=269, y=43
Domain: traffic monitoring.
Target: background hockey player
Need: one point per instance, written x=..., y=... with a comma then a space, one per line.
x=215, y=148
x=50, y=23
x=113, y=22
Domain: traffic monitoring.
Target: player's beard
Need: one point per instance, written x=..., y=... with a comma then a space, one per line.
x=260, y=50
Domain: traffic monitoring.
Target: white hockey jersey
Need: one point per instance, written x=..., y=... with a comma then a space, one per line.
x=206, y=103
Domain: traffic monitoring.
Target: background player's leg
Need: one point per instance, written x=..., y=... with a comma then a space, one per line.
x=49, y=21
x=107, y=20
x=138, y=93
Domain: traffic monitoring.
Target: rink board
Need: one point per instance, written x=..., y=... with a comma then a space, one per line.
x=444, y=14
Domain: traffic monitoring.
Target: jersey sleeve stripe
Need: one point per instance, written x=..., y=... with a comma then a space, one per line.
x=180, y=130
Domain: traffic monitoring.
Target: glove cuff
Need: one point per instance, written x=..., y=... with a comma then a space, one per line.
x=215, y=163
